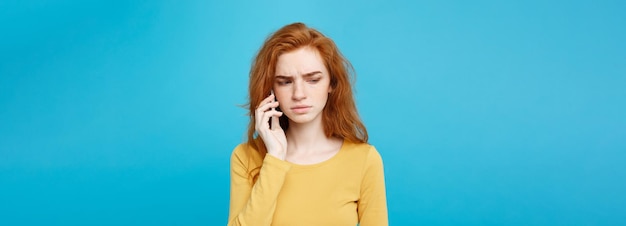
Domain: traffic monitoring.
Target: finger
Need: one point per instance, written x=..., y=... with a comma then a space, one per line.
x=275, y=118
x=270, y=114
x=258, y=113
x=275, y=115
x=263, y=124
x=268, y=99
x=266, y=107
x=275, y=123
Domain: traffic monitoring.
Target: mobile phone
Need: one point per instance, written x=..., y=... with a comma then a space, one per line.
x=272, y=93
x=277, y=108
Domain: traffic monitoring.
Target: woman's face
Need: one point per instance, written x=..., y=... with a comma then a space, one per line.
x=302, y=84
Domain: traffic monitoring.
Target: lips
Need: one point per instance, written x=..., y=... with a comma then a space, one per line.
x=301, y=109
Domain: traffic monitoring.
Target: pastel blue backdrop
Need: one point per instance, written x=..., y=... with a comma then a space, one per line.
x=485, y=112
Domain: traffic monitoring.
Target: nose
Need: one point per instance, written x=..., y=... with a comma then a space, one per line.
x=298, y=91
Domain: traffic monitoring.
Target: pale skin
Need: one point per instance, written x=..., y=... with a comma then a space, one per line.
x=302, y=85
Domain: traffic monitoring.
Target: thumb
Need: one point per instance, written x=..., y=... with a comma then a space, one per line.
x=275, y=123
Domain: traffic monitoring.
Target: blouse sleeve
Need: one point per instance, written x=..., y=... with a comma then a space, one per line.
x=254, y=204
x=372, y=205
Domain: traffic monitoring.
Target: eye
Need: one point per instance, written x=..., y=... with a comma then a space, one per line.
x=314, y=80
x=283, y=82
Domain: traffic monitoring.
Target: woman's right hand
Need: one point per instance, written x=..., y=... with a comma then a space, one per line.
x=274, y=138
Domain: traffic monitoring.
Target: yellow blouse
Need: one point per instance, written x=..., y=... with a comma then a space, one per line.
x=347, y=189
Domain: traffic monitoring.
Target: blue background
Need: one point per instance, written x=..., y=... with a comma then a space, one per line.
x=485, y=112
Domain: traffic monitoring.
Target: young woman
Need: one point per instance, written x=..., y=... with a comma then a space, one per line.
x=307, y=160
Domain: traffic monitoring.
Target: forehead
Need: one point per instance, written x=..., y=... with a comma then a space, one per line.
x=300, y=61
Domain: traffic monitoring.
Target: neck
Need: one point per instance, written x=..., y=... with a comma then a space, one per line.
x=305, y=137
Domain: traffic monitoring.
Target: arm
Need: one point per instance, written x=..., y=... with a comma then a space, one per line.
x=254, y=204
x=372, y=205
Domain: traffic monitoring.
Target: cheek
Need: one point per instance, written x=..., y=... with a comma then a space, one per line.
x=325, y=91
x=322, y=95
x=281, y=95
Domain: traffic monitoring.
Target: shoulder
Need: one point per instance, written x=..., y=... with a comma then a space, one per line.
x=242, y=149
x=246, y=154
x=361, y=148
x=365, y=152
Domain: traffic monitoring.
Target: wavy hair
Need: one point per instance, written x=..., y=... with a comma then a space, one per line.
x=339, y=117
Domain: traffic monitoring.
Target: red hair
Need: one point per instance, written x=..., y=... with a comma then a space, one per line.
x=339, y=118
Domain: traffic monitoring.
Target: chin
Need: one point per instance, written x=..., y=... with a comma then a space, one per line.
x=300, y=119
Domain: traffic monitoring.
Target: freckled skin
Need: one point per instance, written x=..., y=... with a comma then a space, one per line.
x=302, y=80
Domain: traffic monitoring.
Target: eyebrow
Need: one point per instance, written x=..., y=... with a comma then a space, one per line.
x=303, y=75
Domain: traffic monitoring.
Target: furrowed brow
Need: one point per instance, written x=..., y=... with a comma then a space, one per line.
x=311, y=73
x=303, y=75
x=282, y=77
